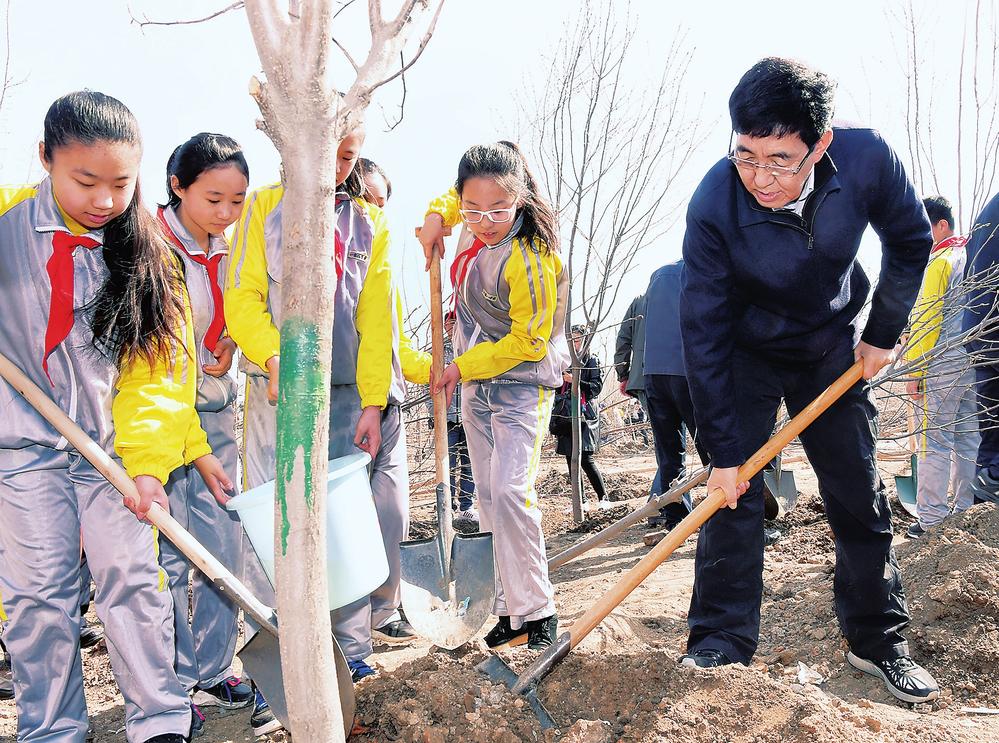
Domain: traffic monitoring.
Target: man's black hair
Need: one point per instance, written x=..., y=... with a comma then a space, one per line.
x=778, y=97
x=937, y=208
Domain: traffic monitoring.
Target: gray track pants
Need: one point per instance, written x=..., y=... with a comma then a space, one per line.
x=46, y=498
x=947, y=447
x=505, y=423
x=206, y=645
x=389, y=486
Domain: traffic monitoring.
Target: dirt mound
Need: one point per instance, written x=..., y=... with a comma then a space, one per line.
x=952, y=582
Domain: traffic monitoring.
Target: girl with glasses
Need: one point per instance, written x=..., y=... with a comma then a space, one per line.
x=510, y=299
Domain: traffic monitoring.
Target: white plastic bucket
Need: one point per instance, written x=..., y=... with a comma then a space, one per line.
x=355, y=553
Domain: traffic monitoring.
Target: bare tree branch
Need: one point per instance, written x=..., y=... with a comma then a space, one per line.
x=143, y=23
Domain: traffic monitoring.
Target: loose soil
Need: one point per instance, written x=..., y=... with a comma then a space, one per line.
x=623, y=683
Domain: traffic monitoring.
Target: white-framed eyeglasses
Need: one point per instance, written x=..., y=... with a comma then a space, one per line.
x=496, y=216
x=777, y=171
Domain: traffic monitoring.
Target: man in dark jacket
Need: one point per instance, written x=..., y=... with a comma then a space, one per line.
x=771, y=295
x=983, y=255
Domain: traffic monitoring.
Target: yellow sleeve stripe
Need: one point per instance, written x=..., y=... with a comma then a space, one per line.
x=11, y=196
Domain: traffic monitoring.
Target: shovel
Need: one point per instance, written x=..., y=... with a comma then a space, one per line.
x=527, y=682
x=905, y=485
x=448, y=581
x=261, y=656
x=779, y=490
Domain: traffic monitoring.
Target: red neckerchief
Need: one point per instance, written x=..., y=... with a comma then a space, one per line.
x=217, y=326
x=60, y=271
x=338, y=245
x=460, y=265
x=956, y=241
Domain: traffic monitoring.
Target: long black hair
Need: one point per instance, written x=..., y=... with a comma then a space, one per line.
x=203, y=151
x=139, y=310
x=505, y=162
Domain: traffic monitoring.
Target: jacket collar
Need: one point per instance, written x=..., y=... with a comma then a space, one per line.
x=750, y=212
x=186, y=243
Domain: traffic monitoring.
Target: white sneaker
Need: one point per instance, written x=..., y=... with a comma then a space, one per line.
x=605, y=505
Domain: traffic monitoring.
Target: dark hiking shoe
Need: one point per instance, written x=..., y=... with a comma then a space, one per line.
x=263, y=720
x=398, y=632
x=90, y=634
x=197, y=722
x=905, y=679
x=167, y=738
x=541, y=633
x=771, y=535
x=6, y=680
x=915, y=531
x=230, y=693
x=984, y=488
x=502, y=633
x=705, y=658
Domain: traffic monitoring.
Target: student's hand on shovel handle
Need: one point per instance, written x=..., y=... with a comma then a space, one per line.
x=431, y=236
x=213, y=473
x=448, y=381
x=875, y=359
x=150, y=491
x=727, y=480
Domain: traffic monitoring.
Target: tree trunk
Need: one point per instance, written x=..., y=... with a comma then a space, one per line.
x=308, y=216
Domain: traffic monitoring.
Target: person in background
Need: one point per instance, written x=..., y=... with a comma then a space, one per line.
x=983, y=254
x=944, y=395
x=591, y=381
x=629, y=361
x=377, y=186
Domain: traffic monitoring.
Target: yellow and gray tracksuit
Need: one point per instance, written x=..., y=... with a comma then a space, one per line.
x=511, y=351
x=49, y=494
x=368, y=355
x=948, y=423
x=206, y=645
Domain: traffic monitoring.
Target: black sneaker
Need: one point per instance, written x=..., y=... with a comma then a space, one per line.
x=6, y=680
x=771, y=535
x=197, y=722
x=398, y=632
x=90, y=634
x=230, y=693
x=705, y=658
x=984, y=488
x=502, y=633
x=263, y=720
x=541, y=633
x=905, y=679
x=167, y=738
x=915, y=531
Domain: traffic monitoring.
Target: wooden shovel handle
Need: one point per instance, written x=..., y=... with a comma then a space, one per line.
x=116, y=475
x=707, y=507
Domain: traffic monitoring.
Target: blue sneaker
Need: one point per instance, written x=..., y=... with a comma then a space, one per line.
x=359, y=670
x=197, y=722
x=230, y=693
x=263, y=720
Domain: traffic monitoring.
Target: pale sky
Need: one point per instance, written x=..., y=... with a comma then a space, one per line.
x=185, y=79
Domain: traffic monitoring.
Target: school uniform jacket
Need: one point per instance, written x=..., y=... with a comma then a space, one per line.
x=205, y=278
x=367, y=338
x=144, y=412
x=937, y=315
x=510, y=318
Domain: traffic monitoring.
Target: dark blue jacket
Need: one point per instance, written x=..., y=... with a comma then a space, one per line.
x=789, y=288
x=983, y=253
x=663, y=347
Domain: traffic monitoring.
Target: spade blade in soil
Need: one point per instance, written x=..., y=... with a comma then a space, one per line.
x=261, y=657
x=905, y=486
x=500, y=673
x=779, y=490
x=448, y=610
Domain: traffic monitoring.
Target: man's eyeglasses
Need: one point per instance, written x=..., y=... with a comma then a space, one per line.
x=777, y=171
x=496, y=216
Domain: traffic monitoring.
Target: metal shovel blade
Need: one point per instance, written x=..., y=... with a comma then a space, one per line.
x=448, y=610
x=779, y=490
x=261, y=657
x=500, y=673
x=905, y=486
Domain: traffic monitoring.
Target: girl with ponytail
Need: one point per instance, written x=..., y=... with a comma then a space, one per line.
x=95, y=313
x=510, y=291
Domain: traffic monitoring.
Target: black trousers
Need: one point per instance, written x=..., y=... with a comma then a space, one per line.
x=588, y=466
x=840, y=445
x=670, y=409
x=987, y=389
